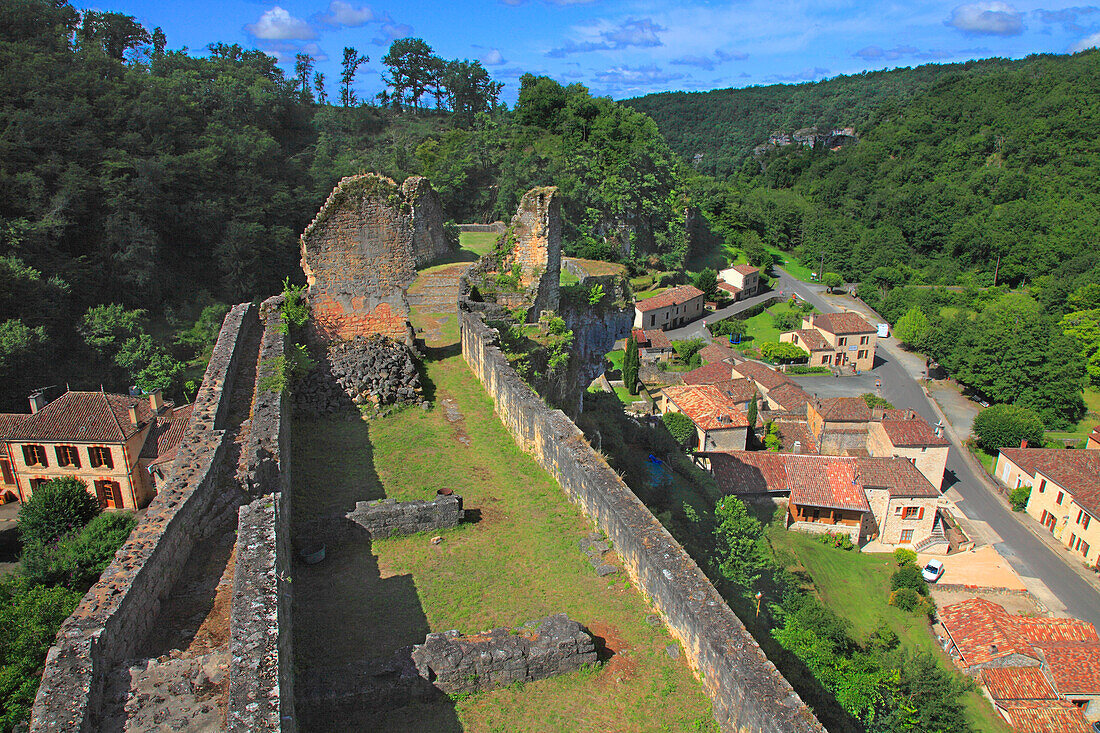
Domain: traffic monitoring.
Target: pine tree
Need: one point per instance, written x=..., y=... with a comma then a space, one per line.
x=751, y=440
x=630, y=366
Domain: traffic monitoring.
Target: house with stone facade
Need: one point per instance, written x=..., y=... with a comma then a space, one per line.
x=719, y=422
x=653, y=345
x=1034, y=669
x=1065, y=493
x=841, y=340
x=882, y=499
x=905, y=434
x=116, y=444
x=740, y=281
x=671, y=309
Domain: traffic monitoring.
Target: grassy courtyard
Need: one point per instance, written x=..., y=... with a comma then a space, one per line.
x=517, y=560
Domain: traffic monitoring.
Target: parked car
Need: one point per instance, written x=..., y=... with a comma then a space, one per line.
x=932, y=571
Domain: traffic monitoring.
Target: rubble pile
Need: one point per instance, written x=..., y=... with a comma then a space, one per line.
x=362, y=373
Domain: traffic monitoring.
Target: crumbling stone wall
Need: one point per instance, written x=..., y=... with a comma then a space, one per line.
x=390, y=518
x=749, y=693
x=361, y=251
x=265, y=459
x=458, y=664
x=118, y=611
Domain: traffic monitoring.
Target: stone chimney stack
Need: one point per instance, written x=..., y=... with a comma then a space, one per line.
x=156, y=401
x=133, y=414
x=37, y=400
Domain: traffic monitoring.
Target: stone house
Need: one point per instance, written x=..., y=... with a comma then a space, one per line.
x=1093, y=442
x=719, y=423
x=904, y=505
x=906, y=434
x=765, y=377
x=840, y=424
x=846, y=339
x=719, y=371
x=740, y=281
x=1065, y=493
x=671, y=309
x=108, y=441
x=653, y=345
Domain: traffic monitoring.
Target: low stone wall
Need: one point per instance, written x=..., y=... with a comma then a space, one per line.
x=458, y=664
x=497, y=227
x=120, y=609
x=261, y=672
x=853, y=531
x=748, y=692
x=389, y=518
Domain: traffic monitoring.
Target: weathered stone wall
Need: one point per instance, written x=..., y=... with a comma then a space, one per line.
x=749, y=693
x=361, y=252
x=261, y=673
x=458, y=664
x=389, y=518
x=120, y=609
x=536, y=232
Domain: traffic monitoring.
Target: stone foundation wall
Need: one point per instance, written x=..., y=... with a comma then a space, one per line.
x=852, y=530
x=458, y=664
x=119, y=610
x=261, y=670
x=749, y=693
x=389, y=518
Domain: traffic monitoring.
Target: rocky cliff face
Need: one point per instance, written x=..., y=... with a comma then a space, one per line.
x=595, y=332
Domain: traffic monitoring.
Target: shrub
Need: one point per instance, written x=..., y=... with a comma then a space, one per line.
x=788, y=321
x=1005, y=426
x=680, y=426
x=839, y=540
x=906, y=599
x=911, y=327
x=782, y=352
x=687, y=349
x=908, y=576
x=55, y=509
x=1018, y=498
x=904, y=556
x=77, y=559
x=295, y=309
x=874, y=400
x=832, y=280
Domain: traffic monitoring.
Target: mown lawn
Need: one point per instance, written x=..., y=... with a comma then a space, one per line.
x=518, y=561
x=855, y=586
x=1086, y=424
x=477, y=242
x=791, y=264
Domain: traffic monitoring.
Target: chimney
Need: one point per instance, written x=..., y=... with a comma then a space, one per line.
x=1023, y=443
x=37, y=400
x=156, y=401
x=133, y=414
x=798, y=446
x=877, y=413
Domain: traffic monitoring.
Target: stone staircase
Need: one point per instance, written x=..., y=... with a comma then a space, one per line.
x=437, y=292
x=938, y=537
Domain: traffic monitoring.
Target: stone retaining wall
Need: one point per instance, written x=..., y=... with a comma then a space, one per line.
x=748, y=692
x=389, y=518
x=118, y=612
x=261, y=672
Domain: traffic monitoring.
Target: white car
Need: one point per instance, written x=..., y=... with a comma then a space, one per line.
x=932, y=571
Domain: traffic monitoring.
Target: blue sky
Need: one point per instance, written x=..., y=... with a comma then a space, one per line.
x=623, y=48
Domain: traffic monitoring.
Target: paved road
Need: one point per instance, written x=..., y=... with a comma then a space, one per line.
x=1030, y=557
x=698, y=328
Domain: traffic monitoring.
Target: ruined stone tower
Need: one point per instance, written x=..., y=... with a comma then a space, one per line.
x=536, y=234
x=361, y=252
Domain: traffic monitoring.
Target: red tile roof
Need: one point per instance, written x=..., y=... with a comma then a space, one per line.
x=763, y=375
x=812, y=340
x=844, y=409
x=744, y=472
x=716, y=352
x=160, y=446
x=983, y=631
x=791, y=431
x=9, y=422
x=789, y=396
x=1074, y=665
x=1076, y=471
x=707, y=407
x=911, y=431
x=658, y=339
x=719, y=371
x=897, y=475
x=674, y=296
x=824, y=483
x=85, y=417
x=723, y=285
x=842, y=323
x=1018, y=683
x=738, y=390
x=1047, y=716
x=746, y=269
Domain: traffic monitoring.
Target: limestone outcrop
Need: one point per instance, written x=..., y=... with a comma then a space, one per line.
x=361, y=252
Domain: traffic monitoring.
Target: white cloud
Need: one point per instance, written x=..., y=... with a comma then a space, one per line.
x=639, y=33
x=1092, y=41
x=390, y=32
x=987, y=18
x=346, y=14
x=493, y=58
x=279, y=25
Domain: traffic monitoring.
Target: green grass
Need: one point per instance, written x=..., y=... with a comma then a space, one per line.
x=477, y=242
x=760, y=329
x=855, y=586
x=518, y=562
x=1086, y=424
x=987, y=460
x=616, y=358
x=791, y=264
x=568, y=278
x=649, y=293
x=626, y=398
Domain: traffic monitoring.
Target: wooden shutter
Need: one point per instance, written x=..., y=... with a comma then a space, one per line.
x=920, y=514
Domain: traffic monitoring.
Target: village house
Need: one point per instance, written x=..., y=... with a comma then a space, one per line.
x=765, y=377
x=653, y=345
x=719, y=371
x=788, y=397
x=1037, y=671
x=906, y=434
x=1093, y=442
x=840, y=424
x=740, y=281
x=108, y=441
x=843, y=339
x=714, y=352
x=1065, y=493
x=719, y=423
x=882, y=499
x=671, y=309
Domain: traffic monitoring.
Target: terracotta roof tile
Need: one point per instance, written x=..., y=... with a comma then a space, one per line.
x=832, y=484
x=166, y=436
x=87, y=417
x=707, y=407
x=844, y=409
x=738, y=390
x=719, y=371
x=791, y=431
x=812, y=340
x=789, y=396
x=900, y=477
x=1074, y=665
x=842, y=323
x=745, y=472
x=723, y=285
x=1076, y=471
x=9, y=422
x=1047, y=716
x=763, y=375
x=912, y=432
x=1018, y=683
x=674, y=296
x=716, y=352
x=658, y=339
x=746, y=269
